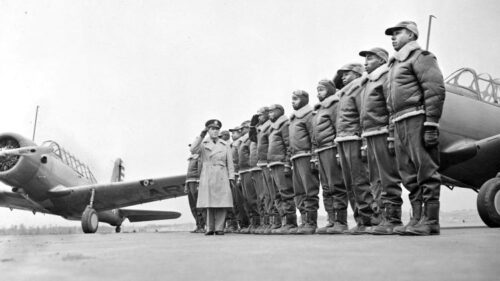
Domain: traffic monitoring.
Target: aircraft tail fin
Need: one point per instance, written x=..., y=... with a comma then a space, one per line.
x=118, y=171
x=144, y=215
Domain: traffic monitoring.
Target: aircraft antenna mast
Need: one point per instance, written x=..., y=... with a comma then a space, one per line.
x=34, y=126
x=429, y=31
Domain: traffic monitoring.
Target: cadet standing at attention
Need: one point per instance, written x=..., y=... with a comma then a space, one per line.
x=247, y=184
x=192, y=182
x=279, y=164
x=238, y=198
x=330, y=172
x=384, y=177
x=350, y=147
x=217, y=174
x=416, y=97
x=305, y=184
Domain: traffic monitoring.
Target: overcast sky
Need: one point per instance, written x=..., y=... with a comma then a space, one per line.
x=138, y=79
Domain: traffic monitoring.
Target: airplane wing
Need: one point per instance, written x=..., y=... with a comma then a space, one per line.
x=143, y=215
x=122, y=194
x=17, y=201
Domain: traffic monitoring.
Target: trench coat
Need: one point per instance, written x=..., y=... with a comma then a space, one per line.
x=217, y=169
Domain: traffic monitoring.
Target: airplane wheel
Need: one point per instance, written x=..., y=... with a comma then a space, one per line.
x=90, y=220
x=118, y=229
x=488, y=202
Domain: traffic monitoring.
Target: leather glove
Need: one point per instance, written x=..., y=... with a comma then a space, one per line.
x=431, y=135
x=238, y=181
x=287, y=171
x=254, y=121
x=204, y=132
x=390, y=147
x=186, y=189
x=337, y=157
x=314, y=167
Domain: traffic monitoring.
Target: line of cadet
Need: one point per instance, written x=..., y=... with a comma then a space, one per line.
x=374, y=127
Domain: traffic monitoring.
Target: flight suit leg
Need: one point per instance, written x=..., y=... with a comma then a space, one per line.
x=285, y=187
x=347, y=197
x=327, y=169
x=374, y=178
x=250, y=194
x=305, y=184
x=258, y=179
x=239, y=209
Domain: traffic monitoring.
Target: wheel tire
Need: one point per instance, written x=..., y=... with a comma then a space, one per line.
x=488, y=202
x=90, y=220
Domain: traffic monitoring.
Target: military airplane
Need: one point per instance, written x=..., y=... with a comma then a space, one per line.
x=48, y=179
x=470, y=139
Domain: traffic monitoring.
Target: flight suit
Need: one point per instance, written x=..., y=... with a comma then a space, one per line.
x=355, y=170
x=238, y=199
x=416, y=98
x=384, y=177
x=281, y=181
x=305, y=184
x=192, y=182
x=259, y=183
x=247, y=184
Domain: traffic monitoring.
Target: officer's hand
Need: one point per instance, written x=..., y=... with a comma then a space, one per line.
x=363, y=153
x=254, y=121
x=204, y=132
x=390, y=147
x=287, y=171
x=431, y=135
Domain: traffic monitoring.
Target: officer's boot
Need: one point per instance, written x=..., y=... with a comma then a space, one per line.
x=275, y=224
x=391, y=219
x=329, y=224
x=416, y=208
x=340, y=224
x=311, y=223
x=290, y=223
x=302, y=224
x=429, y=224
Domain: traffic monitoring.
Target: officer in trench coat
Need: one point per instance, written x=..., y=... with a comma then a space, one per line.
x=217, y=174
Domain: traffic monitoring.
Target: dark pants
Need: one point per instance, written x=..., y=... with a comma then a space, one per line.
x=282, y=184
x=271, y=193
x=305, y=185
x=249, y=194
x=197, y=213
x=239, y=208
x=384, y=177
x=356, y=179
x=417, y=165
x=216, y=218
x=334, y=190
x=260, y=187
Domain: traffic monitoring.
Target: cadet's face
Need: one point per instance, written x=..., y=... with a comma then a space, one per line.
x=273, y=115
x=235, y=135
x=401, y=37
x=263, y=118
x=348, y=76
x=322, y=92
x=372, y=62
x=213, y=132
x=295, y=102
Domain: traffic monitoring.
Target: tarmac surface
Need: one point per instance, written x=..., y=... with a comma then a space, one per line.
x=466, y=253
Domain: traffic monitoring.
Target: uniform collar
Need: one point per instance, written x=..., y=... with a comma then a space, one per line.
x=404, y=52
x=377, y=73
x=301, y=112
x=329, y=101
x=276, y=124
x=244, y=138
x=265, y=126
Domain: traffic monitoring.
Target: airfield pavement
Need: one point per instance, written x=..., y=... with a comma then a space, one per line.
x=467, y=253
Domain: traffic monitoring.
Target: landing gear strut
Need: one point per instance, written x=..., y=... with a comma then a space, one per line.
x=90, y=220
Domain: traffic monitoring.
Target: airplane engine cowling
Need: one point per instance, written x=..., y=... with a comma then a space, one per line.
x=14, y=169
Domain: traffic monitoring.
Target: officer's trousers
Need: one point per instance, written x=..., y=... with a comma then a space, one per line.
x=384, y=176
x=216, y=218
x=197, y=213
x=355, y=174
x=249, y=194
x=418, y=166
x=283, y=187
x=332, y=183
x=305, y=185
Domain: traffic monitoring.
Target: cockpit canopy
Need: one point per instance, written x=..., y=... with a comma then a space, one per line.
x=467, y=82
x=70, y=160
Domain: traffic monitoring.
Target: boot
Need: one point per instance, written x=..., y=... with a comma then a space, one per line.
x=275, y=222
x=254, y=225
x=302, y=224
x=232, y=226
x=340, y=224
x=391, y=218
x=311, y=223
x=329, y=224
x=290, y=223
x=264, y=223
x=247, y=229
x=429, y=224
x=415, y=218
x=282, y=224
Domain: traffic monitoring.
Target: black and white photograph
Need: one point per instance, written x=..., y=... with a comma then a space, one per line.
x=249, y=140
